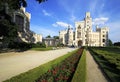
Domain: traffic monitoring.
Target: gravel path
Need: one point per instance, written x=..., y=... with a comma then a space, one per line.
x=94, y=73
x=14, y=63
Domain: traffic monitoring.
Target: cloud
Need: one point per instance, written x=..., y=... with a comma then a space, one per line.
x=43, y=30
x=46, y=13
x=73, y=18
x=70, y=8
x=61, y=24
x=69, y=5
x=99, y=21
x=55, y=25
x=93, y=6
x=96, y=7
x=114, y=31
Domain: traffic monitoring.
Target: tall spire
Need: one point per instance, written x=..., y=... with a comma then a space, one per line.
x=87, y=14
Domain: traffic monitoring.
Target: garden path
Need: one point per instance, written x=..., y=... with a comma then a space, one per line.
x=94, y=74
x=14, y=63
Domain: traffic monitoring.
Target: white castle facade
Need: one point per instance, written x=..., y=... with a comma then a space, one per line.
x=83, y=34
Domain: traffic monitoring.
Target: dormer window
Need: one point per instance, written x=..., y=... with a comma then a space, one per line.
x=79, y=27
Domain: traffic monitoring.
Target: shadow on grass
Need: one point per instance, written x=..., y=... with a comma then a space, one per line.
x=109, y=70
x=6, y=50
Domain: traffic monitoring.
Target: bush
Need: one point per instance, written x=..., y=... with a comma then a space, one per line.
x=60, y=45
x=39, y=45
x=19, y=45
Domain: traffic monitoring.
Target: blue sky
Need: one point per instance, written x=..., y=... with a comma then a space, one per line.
x=50, y=17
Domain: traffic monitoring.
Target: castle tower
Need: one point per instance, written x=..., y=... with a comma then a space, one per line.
x=70, y=36
x=88, y=22
x=84, y=36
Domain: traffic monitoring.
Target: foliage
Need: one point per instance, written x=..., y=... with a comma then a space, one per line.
x=35, y=73
x=56, y=37
x=63, y=71
x=80, y=73
x=109, y=60
x=8, y=30
x=39, y=45
x=60, y=45
x=13, y=4
x=20, y=45
x=40, y=1
x=117, y=44
x=110, y=43
x=48, y=36
x=42, y=49
x=23, y=46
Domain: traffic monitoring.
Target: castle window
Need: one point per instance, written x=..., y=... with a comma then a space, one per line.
x=87, y=29
x=79, y=27
x=103, y=35
x=79, y=34
x=103, y=40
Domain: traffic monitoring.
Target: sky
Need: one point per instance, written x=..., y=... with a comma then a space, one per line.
x=49, y=17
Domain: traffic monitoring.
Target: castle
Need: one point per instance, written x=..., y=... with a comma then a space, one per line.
x=22, y=19
x=84, y=35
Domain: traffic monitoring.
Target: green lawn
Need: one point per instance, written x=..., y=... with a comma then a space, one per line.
x=109, y=60
x=42, y=49
x=35, y=73
x=80, y=73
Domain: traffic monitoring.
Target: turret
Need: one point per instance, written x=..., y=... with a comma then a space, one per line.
x=87, y=14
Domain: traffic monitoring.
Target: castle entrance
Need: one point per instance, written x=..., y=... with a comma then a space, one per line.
x=80, y=43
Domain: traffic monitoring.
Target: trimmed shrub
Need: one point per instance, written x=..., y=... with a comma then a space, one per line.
x=62, y=72
x=19, y=45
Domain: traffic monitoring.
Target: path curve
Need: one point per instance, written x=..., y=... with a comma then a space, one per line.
x=14, y=63
x=94, y=73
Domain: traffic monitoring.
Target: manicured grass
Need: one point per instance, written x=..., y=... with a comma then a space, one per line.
x=80, y=73
x=62, y=72
x=109, y=60
x=42, y=49
x=35, y=73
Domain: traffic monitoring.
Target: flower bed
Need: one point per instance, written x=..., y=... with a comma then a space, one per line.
x=80, y=73
x=62, y=72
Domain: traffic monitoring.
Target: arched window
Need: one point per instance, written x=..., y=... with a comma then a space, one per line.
x=79, y=27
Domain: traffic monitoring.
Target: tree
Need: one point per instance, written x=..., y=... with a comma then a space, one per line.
x=110, y=43
x=56, y=37
x=8, y=29
x=16, y=4
x=48, y=36
x=8, y=32
x=117, y=44
x=40, y=1
x=10, y=6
